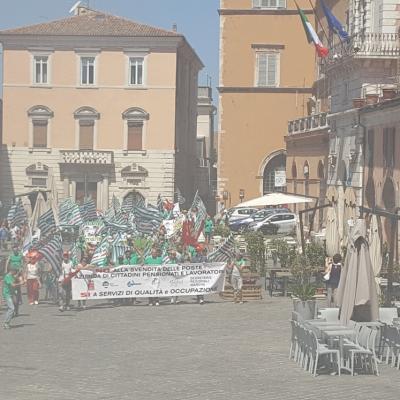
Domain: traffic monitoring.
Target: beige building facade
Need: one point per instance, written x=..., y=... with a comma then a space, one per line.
x=102, y=104
x=266, y=74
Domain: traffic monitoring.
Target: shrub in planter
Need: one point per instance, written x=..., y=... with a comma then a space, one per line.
x=221, y=230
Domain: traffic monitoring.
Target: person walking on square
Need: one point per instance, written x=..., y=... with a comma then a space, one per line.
x=208, y=229
x=16, y=262
x=9, y=286
x=333, y=269
x=32, y=279
x=65, y=283
x=236, y=278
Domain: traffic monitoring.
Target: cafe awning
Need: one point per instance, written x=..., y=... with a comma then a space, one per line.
x=276, y=199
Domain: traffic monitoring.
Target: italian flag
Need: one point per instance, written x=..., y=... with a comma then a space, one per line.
x=312, y=35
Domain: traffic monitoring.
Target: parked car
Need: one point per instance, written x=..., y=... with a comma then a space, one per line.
x=275, y=223
x=240, y=225
x=240, y=213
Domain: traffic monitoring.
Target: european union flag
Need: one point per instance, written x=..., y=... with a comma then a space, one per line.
x=334, y=23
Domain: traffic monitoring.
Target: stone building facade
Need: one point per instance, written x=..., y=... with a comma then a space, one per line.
x=103, y=105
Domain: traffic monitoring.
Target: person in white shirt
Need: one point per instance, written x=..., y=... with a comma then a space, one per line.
x=32, y=278
x=65, y=282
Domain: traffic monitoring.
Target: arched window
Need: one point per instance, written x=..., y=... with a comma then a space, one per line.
x=294, y=170
x=39, y=126
x=342, y=173
x=274, y=174
x=86, y=118
x=306, y=170
x=134, y=128
x=321, y=170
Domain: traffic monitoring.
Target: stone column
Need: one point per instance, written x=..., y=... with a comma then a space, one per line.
x=66, y=187
x=73, y=190
x=99, y=205
x=105, y=192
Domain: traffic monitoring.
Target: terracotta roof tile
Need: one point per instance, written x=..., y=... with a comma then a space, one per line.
x=93, y=23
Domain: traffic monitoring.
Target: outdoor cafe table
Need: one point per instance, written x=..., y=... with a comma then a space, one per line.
x=330, y=334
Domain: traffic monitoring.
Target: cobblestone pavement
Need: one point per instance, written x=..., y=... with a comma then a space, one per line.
x=182, y=352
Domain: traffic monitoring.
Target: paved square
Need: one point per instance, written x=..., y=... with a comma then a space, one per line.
x=218, y=351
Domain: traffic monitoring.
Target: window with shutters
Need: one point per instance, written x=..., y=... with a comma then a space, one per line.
x=269, y=4
x=267, y=73
x=86, y=135
x=135, y=135
x=135, y=128
x=86, y=128
x=39, y=133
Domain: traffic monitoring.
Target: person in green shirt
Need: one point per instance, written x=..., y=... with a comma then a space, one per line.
x=9, y=286
x=16, y=262
x=208, y=229
x=153, y=259
x=131, y=258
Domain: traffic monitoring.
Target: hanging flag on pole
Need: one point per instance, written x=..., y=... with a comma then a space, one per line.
x=334, y=23
x=312, y=36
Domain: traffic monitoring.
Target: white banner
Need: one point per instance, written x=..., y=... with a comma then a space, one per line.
x=149, y=281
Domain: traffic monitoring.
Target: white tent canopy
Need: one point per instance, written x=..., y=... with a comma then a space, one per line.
x=276, y=199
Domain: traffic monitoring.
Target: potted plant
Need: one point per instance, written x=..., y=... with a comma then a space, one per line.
x=305, y=268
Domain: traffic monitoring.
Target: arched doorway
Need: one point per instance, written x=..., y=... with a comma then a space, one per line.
x=274, y=173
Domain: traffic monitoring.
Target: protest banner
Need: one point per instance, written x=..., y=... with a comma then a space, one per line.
x=149, y=281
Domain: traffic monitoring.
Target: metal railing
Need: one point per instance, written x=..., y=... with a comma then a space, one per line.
x=86, y=157
x=309, y=123
x=366, y=45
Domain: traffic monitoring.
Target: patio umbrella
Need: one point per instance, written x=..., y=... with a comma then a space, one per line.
x=40, y=208
x=349, y=213
x=53, y=195
x=340, y=212
x=375, y=250
x=331, y=236
x=27, y=206
x=357, y=295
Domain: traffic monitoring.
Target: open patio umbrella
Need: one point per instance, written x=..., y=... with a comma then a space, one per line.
x=276, y=199
x=331, y=236
x=357, y=295
x=375, y=250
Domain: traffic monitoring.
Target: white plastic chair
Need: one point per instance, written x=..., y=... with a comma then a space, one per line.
x=330, y=314
x=387, y=315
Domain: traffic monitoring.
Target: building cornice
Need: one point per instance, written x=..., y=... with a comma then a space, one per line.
x=250, y=89
x=257, y=11
x=63, y=42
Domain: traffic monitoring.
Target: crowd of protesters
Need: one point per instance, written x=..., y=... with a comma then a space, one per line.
x=32, y=272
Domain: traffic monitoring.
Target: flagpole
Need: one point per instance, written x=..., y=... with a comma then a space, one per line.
x=319, y=22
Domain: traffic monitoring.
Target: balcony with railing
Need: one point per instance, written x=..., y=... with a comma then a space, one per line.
x=92, y=157
x=366, y=45
x=307, y=124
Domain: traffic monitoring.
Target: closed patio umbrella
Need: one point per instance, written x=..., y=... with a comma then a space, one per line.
x=40, y=208
x=357, y=295
x=375, y=250
x=349, y=213
x=331, y=236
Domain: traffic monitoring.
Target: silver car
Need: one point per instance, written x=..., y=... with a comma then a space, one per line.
x=284, y=223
